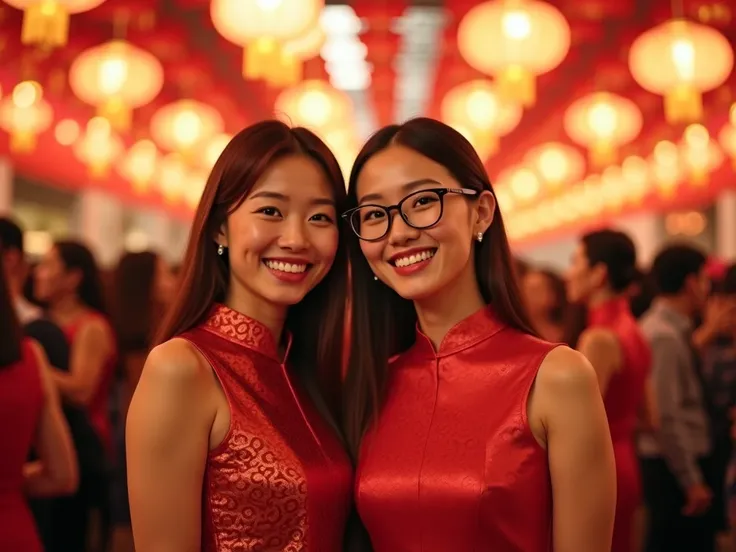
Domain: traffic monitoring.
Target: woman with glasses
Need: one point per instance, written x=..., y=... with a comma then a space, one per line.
x=470, y=432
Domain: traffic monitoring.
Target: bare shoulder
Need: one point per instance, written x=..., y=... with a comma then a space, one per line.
x=565, y=374
x=176, y=363
x=599, y=338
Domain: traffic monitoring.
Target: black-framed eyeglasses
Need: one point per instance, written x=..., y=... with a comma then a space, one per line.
x=420, y=210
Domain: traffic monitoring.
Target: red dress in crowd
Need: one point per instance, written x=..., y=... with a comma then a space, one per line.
x=452, y=464
x=21, y=404
x=280, y=480
x=624, y=398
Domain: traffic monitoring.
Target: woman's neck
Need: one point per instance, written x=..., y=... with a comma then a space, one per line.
x=453, y=304
x=599, y=297
x=66, y=309
x=270, y=315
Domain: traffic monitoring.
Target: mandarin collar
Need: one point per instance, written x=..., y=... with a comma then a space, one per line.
x=244, y=330
x=477, y=327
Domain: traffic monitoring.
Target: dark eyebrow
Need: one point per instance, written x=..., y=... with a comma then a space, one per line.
x=281, y=197
x=408, y=187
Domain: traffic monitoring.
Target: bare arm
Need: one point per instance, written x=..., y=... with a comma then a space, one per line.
x=55, y=472
x=568, y=403
x=601, y=348
x=167, y=438
x=89, y=354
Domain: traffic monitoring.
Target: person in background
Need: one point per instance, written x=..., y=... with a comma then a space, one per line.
x=61, y=520
x=68, y=282
x=675, y=474
x=471, y=432
x=30, y=417
x=600, y=275
x=232, y=437
x=715, y=340
x=143, y=287
x=546, y=301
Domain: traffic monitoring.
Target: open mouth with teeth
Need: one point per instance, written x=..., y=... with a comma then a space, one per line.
x=290, y=268
x=414, y=258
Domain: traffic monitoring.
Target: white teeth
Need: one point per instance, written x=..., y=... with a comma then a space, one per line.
x=413, y=259
x=285, y=267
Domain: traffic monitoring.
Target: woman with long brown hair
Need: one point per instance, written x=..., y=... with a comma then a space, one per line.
x=473, y=433
x=232, y=441
x=143, y=287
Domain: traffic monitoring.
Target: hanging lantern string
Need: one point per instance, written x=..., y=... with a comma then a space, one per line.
x=678, y=9
x=120, y=24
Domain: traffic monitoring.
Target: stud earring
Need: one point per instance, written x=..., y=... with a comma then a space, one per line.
x=479, y=236
x=220, y=249
x=375, y=277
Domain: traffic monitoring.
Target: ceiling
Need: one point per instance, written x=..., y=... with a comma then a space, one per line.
x=417, y=65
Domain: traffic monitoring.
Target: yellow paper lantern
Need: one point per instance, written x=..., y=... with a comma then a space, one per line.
x=171, y=177
x=556, y=163
x=214, y=149
x=262, y=27
x=314, y=104
x=603, y=122
x=521, y=181
x=139, y=164
x=475, y=109
x=46, y=22
x=514, y=41
x=99, y=147
x=680, y=60
x=116, y=77
x=185, y=125
x=24, y=115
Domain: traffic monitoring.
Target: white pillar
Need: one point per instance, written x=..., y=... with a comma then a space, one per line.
x=6, y=186
x=645, y=229
x=726, y=225
x=178, y=240
x=151, y=230
x=99, y=225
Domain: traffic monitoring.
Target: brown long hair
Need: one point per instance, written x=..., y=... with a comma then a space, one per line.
x=12, y=335
x=383, y=323
x=76, y=256
x=135, y=309
x=316, y=323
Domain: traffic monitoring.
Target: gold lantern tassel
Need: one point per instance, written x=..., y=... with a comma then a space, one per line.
x=260, y=57
x=602, y=154
x=22, y=142
x=98, y=169
x=288, y=72
x=117, y=113
x=516, y=85
x=683, y=104
x=45, y=23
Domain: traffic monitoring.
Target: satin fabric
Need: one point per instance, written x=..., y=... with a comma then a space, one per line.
x=623, y=400
x=452, y=464
x=280, y=480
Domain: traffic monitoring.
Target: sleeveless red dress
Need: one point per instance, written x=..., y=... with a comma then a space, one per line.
x=21, y=404
x=452, y=464
x=623, y=401
x=98, y=409
x=280, y=480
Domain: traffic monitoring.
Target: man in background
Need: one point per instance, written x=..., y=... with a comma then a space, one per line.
x=674, y=458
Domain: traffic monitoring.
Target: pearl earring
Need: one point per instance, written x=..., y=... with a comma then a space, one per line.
x=220, y=249
x=375, y=277
x=479, y=236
